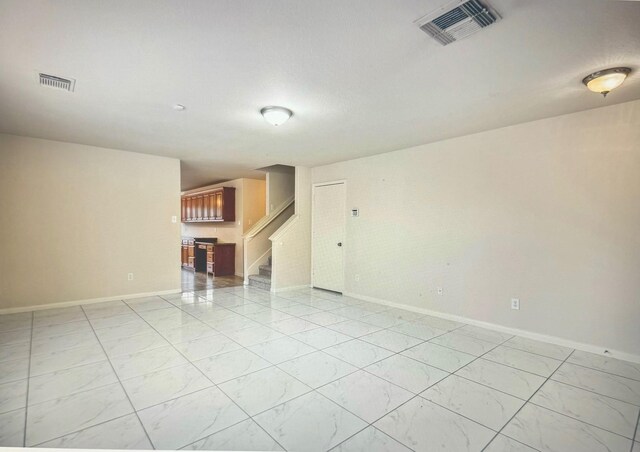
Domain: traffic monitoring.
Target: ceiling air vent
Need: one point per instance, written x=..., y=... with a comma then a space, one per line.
x=457, y=20
x=67, y=84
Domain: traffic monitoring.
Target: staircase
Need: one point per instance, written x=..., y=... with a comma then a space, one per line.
x=263, y=279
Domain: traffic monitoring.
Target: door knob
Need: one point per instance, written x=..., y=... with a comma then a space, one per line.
x=339, y=243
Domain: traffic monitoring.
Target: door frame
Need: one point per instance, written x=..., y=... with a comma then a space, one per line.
x=344, y=231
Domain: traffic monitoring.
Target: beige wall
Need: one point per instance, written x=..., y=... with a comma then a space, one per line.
x=75, y=220
x=280, y=185
x=547, y=211
x=250, y=207
x=292, y=243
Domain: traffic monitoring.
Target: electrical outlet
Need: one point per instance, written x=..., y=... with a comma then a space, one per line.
x=130, y=276
x=440, y=290
x=515, y=303
x=357, y=278
x=174, y=219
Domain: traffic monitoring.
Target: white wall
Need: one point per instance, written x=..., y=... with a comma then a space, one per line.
x=280, y=185
x=250, y=207
x=75, y=220
x=547, y=211
x=291, y=247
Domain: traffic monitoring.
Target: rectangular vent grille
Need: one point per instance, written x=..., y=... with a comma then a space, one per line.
x=57, y=82
x=459, y=22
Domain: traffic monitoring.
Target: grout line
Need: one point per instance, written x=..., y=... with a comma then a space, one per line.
x=526, y=402
x=118, y=377
x=635, y=434
x=26, y=401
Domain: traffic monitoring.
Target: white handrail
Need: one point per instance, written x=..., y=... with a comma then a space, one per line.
x=267, y=219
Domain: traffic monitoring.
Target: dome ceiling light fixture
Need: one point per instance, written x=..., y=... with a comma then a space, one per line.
x=606, y=80
x=276, y=115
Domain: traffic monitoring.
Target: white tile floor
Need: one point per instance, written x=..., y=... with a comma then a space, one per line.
x=242, y=369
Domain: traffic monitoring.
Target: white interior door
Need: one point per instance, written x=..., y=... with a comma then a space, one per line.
x=328, y=236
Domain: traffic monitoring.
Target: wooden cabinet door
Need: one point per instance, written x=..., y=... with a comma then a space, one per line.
x=189, y=208
x=184, y=255
x=218, y=196
x=199, y=207
x=205, y=206
x=183, y=209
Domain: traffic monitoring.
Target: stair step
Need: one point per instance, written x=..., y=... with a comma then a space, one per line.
x=265, y=270
x=260, y=281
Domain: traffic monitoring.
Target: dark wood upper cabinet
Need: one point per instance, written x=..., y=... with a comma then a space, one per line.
x=215, y=205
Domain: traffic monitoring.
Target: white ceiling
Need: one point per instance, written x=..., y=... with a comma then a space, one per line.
x=360, y=77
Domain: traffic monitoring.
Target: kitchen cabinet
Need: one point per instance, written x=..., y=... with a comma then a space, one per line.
x=188, y=253
x=217, y=205
x=206, y=255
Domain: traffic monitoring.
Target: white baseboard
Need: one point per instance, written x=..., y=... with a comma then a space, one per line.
x=66, y=304
x=288, y=289
x=599, y=350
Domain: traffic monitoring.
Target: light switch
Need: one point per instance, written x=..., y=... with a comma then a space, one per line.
x=174, y=219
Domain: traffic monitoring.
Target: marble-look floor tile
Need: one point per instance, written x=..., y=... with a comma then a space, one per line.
x=479, y=403
x=606, y=364
x=310, y=423
x=131, y=329
x=148, y=304
x=539, y=348
x=157, y=387
x=15, y=337
x=403, y=314
x=324, y=318
x=189, y=332
x=636, y=446
x=12, y=428
x=351, y=312
x=18, y=369
x=133, y=344
x=280, y=350
x=60, y=329
x=317, y=369
x=117, y=320
x=547, y=430
x=382, y=320
x=293, y=326
x=299, y=310
x=391, y=340
x=57, y=316
x=418, y=330
x=122, y=433
x=231, y=324
x=321, y=338
x=141, y=363
x=182, y=421
x=503, y=443
x=244, y=436
x=437, y=356
x=11, y=352
x=603, y=383
x=484, y=334
x=255, y=335
x=13, y=396
x=251, y=308
x=354, y=328
x=105, y=309
x=18, y=321
x=358, y=353
x=55, y=418
x=64, y=342
x=325, y=305
x=227, y=366
x=516, y=382
x=207, y=346
x=365, y=395
x=62, y=383
x=407, y=373
x=423, y=425
x=462, y=343
x=259, y=391
x=586, y=406
x=439, y=323
x=370, y=440
x=536, y=364
x=268, y=316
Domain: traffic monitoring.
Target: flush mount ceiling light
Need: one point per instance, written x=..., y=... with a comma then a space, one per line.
x=606, y=80
x=179, y=107
x=276, y=115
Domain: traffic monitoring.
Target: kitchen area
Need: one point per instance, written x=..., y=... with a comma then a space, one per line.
x=214, y=218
